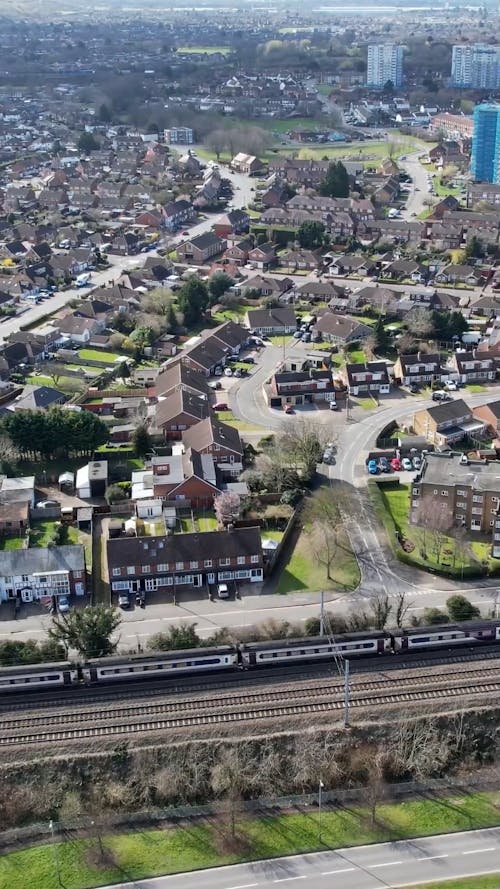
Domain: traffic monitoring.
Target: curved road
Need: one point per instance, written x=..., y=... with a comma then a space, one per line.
x=381, y=866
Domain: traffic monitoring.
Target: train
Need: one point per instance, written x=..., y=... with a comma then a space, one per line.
x=247, y=656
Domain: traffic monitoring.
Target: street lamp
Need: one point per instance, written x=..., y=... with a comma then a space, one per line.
x=55, y=853
x=320, y=800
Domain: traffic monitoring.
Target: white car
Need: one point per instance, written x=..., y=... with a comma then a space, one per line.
x=451, y=386
x=228, y=372
x=222, y=591
x=63, y=604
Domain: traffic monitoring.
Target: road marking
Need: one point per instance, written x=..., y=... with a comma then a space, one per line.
x=341, y=870
x=385, y=864
x=477, y=851
x=243, y=886
x=288, y=879
x=432, y=857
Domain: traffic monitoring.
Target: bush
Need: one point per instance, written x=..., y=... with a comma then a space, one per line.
x=459, y=608
x=435, y=616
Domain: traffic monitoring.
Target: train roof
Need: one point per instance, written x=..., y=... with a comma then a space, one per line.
x=20, y=669
x=315, y=640
x=161, y=655
x=464, y=626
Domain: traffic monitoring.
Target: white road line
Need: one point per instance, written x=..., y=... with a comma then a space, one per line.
x=385, y=864
x=477, y=851
x=243, y=886
x=432, y=857
x=288, y=879
x=341, y=870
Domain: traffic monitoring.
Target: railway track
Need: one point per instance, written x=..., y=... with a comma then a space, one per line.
x=173, y=714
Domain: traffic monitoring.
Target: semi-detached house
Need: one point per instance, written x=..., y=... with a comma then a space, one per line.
x=448, y=422
x=419, y=368
x=32, y=575
x=139, y=564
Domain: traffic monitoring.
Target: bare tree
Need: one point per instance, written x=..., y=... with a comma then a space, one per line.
x=232, y=776
x=401, y=609
x=420, y=748
x=381, y=608
x=217, y=141
x=435, y=521
x=303, y=444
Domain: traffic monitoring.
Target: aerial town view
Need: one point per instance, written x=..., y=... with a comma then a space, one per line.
x=249, y=445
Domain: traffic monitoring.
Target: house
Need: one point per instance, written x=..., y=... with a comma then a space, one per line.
x=418, y=368
x=92, y=479
x=319, y=291
x=235, y=222
x=175, y=214
x=406, y=269
x=247, y=163
x=272, y=322
x=179, y=411
x=14, y=518
x=238, y=252
x=308, y=260
x=18, y=490
x=473, y=367
x=267, y=286
x=489, y=413
x=41, y=573
x=77, y=329
x=487, y=306
x=370, y=378
x=460, y=274
x=139, y=564
x=210, y=436
x=194, y=482
x=201, y=248
x=301, y=387
x=460, y=495
x=37, y=398
x=339, y=329
x=263, y=256
x=351, y=265
x=447, y=422
x=179, y=376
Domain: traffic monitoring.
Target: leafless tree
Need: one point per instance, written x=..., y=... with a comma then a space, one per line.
x=217, y=141
x=401, y=608
x=232, y=776
x=420, y=748
x=381, y=608
x=435, y=521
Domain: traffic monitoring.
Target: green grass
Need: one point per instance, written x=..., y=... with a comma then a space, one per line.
x=475, y=387
x=7, y=544
x=487, y=881
x=64, y=384
x=229, y=418
x=357, y=356
x=97, y=355
x=367, y=404
x=278, y=340
x=208, y=50
x=41, y=533
x=206, y=523
x=144, y=853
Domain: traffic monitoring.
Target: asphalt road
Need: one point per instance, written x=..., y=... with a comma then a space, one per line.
x=403, y=863
x=419, y=187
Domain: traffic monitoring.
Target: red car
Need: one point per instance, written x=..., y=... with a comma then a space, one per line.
x=221, y=406
x=396, y=464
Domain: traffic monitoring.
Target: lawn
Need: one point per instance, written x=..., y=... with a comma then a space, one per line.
x=64, y=384
x=144, y=853
x=357, y=356
x=279, y=340
x=208, y=50
x=97, y=355
x=41, y=533
x=475, y=387
x=7, y=544
x=229, y=418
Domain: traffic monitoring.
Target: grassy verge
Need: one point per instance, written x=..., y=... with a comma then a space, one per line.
x=487, y=881
x=229, y=418
x=86, y=863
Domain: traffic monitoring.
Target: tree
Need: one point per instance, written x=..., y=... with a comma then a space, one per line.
x=104, y=114
x=54, y=432
x=232, y=776
x=180, y=638
x=325, y=521
x=302, y=444
x=14, y=652
x=382, y=339
x=388, y=87
x=336, y=182
x=142, y=337
x=227, y=507
x=381, y=608
x=217, y=141
x=402, y=608
x=115, y=494
x=141, y=441
x=193, y=300
x=88, y=630
x=123, y=370
x=311, y=235
x=218, y=285
x=87, y=143
x=435, y=616
x=460, y=608
x=474, y=248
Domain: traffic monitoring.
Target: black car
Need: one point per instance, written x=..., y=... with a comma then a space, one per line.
x=413, y=389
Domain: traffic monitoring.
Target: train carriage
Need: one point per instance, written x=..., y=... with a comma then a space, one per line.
x=37, y=677
x=255, y=654
x=173, y=663
x=445, y=635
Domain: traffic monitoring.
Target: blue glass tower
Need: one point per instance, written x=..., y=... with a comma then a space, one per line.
x=485, y=160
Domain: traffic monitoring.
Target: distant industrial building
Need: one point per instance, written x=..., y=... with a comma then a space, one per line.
x=179, y=136
x=485, y=158
x=385, y=62
x=476, y=65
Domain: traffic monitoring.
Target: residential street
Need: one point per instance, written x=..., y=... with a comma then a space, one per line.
x=403, y=863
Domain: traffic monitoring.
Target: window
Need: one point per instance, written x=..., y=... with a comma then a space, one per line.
x=162, y=567
x=179, y=566
x=116, y=572
x=241, y=560
x=223, y=562
x=461, y=504
x=208, y=563
x=491, y=524
x=193, y=564
x=254, y=560
x=146, y=569
x=477, y=498
x=130, y=569
x=477, y=511
x=461, y=493
x=444, y=493
x=416, y=492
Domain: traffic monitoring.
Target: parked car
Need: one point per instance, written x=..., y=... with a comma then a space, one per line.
x=441, y=395
x=417, y=462
x=223, y=591
x=383, y=464
x=46, y=504
x=289, y=409
x=328, y=456
x=373, y=467
x=228, y=372
x=413, y=388
x=123, y=600
x=407, y=464
x=333, y=406
x=216, y=384
x=450, y=386
x=221, y=406
x=63, y=604
x=297, y=335
x=396, y=464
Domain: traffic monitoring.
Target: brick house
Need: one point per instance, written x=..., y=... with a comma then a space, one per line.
x=235, y=222
x=460, y=495
x=447, y=422
x=140, y=564
x=14, y=517
x=175, y=214
x=339, y=330
x=263, y=256
x=301, y=387
x=272, y=321
x=31, y=575
x=370, y=378
x=198, y=485
x=179, y=376
x=210, y=436
x=179, y=411
x=238, y=253
x=473, y=368
x=489, y=413
x=201, y=248
x=247, y=163
x=420, y=368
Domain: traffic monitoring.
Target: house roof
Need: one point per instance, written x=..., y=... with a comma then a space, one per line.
x=202, y=242
x=38, y=398
x=178, y=375
x=340, y=325
x=449, y=410
x=278, y=317
x=493, y=406
x=441, y=469
x=180, y=401
x=211, y=431
x=420, y=358
x=462, y=358
x=41, y=560
x=181, y=548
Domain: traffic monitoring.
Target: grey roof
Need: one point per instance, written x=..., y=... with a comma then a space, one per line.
x=441, y=469
x=38, y=397
x=449, y=410
x=183, y=547
x=208, y=239
x=212, y=431
x=39, y=560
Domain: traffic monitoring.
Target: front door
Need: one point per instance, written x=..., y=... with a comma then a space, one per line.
x=27, y=594
x=211, y=577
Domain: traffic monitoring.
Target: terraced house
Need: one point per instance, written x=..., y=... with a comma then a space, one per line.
x=138, y=564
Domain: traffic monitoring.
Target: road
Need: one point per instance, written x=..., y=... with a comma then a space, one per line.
x=419, y=188
x=381, y=866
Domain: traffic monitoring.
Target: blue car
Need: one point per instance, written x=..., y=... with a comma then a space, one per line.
x=372, y=467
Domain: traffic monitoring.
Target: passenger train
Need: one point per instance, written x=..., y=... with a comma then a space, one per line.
x=248, y=656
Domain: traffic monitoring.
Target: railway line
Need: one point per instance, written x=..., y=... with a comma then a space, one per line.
x=173, y=713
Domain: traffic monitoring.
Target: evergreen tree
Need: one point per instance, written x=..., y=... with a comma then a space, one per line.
x=336, y=182
x=88, y=630
x=193, y=300
x=141, y=441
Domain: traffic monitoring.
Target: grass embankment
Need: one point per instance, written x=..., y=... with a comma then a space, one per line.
x=487, y=881
x=392, y=504
x=86, y=863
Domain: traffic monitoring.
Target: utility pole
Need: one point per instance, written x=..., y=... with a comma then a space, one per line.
x=55, y=853
x=322, y=614
x=320, y=801
x=346, y=694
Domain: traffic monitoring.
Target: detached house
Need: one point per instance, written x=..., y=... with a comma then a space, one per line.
x=235, y=222
x=210, y=436
x=140, y=564
x=33, y=575
x=339, y=330
x=370, y=378
x=263, y=256
x=175, y=214
x=179, y=411
x=272, y=322
x=200, y=249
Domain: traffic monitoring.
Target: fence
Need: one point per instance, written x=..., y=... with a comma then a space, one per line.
x=438, y=787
